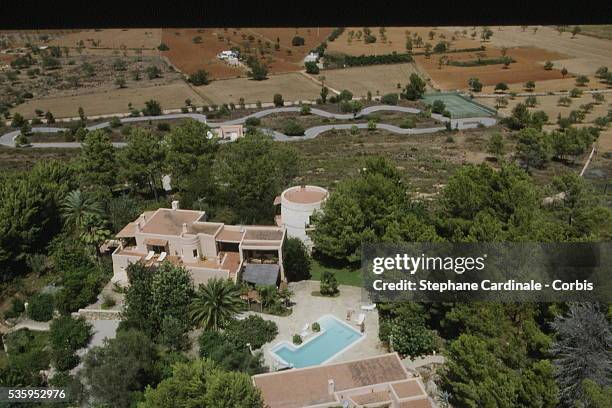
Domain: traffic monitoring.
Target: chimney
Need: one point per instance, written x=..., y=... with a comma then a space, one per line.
x=175, y=205
x=184, y=228
x=331, y=386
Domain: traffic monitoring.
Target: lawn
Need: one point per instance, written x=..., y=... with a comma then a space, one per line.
x=345, y=276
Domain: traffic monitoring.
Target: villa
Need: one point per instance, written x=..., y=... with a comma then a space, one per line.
x=207, y=249
x=380, y=381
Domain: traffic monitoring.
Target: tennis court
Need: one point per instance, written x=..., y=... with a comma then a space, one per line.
x=459, y=106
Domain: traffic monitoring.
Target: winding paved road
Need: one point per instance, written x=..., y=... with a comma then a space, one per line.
x=8, y=139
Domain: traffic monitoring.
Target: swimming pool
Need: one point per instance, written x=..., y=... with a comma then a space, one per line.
x=334, y=338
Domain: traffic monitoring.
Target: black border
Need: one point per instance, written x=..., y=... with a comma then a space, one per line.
x=53, y=14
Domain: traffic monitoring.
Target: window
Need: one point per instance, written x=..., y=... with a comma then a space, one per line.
x=195, y=253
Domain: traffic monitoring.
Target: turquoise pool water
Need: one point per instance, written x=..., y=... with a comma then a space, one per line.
x=334, y=338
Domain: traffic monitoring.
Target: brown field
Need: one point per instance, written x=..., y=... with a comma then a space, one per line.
x=584, y=53
x=112, y=101
x=378, y=79
x=396, y=40
x=604, y=143
x=598, y=31
x=557, y=85
x=189, y=56
x=528, y=66
x=293, y=87
x=113, y=38
x=548, y=104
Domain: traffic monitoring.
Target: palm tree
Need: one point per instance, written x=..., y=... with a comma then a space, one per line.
x=215, y=304
x=76, y=206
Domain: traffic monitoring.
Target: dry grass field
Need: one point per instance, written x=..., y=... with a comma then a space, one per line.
x=552, y=85
x=100, y=41
x=584, y=53
x=378, y=79
x=598, y=31
x=396, y=40
x=549, y=105
x=528, y=66
x=189, y=53
x=293, y=87
x=112, y=101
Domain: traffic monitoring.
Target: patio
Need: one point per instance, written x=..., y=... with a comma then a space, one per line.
x=309, y=308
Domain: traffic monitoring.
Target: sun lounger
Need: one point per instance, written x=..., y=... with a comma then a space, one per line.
x=361, y=318
x=369, y=308
x=162, y=256
x=150, y=255
x=304, y=331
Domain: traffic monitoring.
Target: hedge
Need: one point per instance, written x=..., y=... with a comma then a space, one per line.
x=481, y=61
x=40, y=307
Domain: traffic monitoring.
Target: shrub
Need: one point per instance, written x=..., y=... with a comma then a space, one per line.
x=67, y=332
x=390, y=99
x=115, y=122
x=371, y=125
x=548, y=65
x=575, y=93
x=253, y=121
x=329, y=284
x=64, y=359
x=475, y=84
x=408, y=123
x=152, y=108
x=531, y=101
x=278, y=100
x=501, y=86
x=345, y=95
x=258, y=71
x=297, y=339
x=296, y=260
x=36, y=121
x=292, y=128
x=564, y=101
x=163, y=127
x=438, y=107
x=354, y=130
x=297, y=41
x=163, y=47
x=40, y=307
x=582, y=80
x=345, y=107
x=449, y=138
x=17, y=308
x=80, y=287
x=253, y=330
x=311, y=67
x=316, y=327
x=108, y=302
x=305, y=110
x=200, y=77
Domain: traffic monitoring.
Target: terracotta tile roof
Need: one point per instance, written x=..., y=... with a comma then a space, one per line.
x=309, y=386
x=417, y=403
x=407, y=389
x=371, y=397
x=170, y=222
x=128, y=231
x=228, y=235
x=264, y=234
x=203, y=228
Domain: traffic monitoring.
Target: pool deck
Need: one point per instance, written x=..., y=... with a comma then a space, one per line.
x=308, y=309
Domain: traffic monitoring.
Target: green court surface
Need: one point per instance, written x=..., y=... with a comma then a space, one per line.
x=459, y=106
